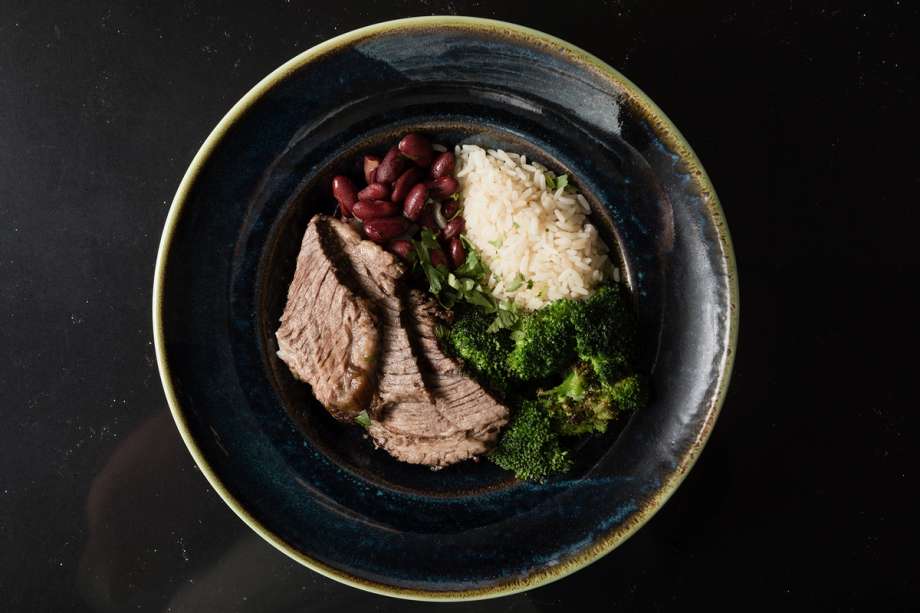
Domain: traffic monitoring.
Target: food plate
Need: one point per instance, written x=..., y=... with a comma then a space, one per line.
x=313, y=487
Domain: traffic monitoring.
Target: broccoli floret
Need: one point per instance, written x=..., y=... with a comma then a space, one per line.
x=583, y=403
x=608, y=368
x=485, y=353
x=629, y=393
x=530, y=447
x=580, y=404
x=605, y=329
x=574, y=387
x=600, y=330
x=544, y=344
x=603, y=321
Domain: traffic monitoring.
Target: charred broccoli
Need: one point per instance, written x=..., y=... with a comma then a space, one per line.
x=580, y=404
x=592, y=342
x=529, y=446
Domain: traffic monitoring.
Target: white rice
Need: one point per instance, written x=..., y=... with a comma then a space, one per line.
x=526, y=232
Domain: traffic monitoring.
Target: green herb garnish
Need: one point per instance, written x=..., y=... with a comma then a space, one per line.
x=507, y=316
x=515, y=283
x=429, y=239
x=553, y=182
x=363, y=419
x=463, y=284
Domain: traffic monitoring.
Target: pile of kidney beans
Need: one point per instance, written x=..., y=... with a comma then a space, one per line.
x=397, y=202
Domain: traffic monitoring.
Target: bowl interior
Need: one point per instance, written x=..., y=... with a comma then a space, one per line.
x=345, y=444
x=317, y=489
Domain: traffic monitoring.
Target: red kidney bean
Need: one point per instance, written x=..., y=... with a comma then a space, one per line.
x=405, y=182
x=417, y=148
x=390, y=168
x=457, y=252
x=374, y=209
x=443, y=187
x=385, y=228
x=443, y=165
x=415, y=201
x=374, y=191
x=402, y=248
x=371, y=162
x=453, y=228
x=344, y=192
x=438, y=258
x=449, y=208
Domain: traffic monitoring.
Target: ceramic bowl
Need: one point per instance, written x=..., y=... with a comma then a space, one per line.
x=316, y=489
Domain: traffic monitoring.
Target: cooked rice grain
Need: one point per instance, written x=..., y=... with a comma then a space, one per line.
x=522, y=228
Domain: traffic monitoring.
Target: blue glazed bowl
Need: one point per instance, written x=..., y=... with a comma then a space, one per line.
x=316, y=489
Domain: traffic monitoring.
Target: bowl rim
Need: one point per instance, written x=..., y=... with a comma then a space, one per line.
x=667, y=131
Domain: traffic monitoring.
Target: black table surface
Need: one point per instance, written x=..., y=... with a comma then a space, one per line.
x=801, y=113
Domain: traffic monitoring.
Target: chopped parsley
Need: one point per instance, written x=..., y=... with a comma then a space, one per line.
x=507, y=316
x=463, y=284
x=436, y=275
x=553, y=182
x=515, y=283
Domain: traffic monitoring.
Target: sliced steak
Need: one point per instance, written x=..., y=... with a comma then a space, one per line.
x=377, y=274
x=464, y=419
x=352, y=332
x=460, y=399
x=329, y=334
x=430, y=451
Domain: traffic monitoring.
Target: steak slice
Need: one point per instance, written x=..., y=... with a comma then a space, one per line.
x=436, y=451
x=376, y=274
x=461, y=423
x=460, y=399
x=351, y=331
x=329, y=334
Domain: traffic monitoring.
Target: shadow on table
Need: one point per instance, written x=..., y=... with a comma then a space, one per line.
x=161, y=540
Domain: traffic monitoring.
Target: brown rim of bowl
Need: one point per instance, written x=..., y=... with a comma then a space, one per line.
x=665, y=130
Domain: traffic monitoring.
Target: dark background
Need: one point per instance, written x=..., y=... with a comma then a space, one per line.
x=803, y=115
